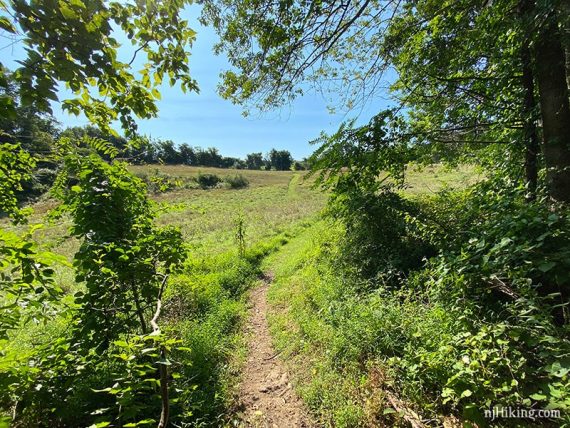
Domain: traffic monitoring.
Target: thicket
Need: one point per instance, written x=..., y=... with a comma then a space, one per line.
x=148, y=332
x=456, y=302
x=237, y=181
x=160, y=182
x=463, y=308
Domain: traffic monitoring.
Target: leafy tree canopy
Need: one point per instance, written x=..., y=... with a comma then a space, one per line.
x=469, y=73
x=75, y=43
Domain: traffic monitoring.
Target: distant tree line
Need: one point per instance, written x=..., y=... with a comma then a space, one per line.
x=167, y=152
x=37, y=131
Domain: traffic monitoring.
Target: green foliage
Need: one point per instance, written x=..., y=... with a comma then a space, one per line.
x=240, y=234
x=29, y=291
x=279, y=160
x=105, y=89
x=25, y=125
x=254, y=161
x=482, y=321
x=124, y=261
x=135, y=388
x=364, y=158
x=123, y=257
x=207, y=180
x=160, y=182
x=378, y=242
x=16, y=166
x=27, y=284
x=237, y=181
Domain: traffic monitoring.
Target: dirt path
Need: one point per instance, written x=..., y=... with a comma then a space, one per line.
x=267, y=399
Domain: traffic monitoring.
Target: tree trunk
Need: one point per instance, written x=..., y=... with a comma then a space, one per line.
x=530, y=132
x=138, y=307
x=555, y=111
x=565, y=14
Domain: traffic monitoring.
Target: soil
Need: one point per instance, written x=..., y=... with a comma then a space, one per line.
x=266, y=396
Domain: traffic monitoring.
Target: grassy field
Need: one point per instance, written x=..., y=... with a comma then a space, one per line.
x=431, y=179
x=206, y=305
x=273, y=201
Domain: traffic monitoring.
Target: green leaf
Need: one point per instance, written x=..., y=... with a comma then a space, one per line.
x=538, y=397
x=66, y=11
x=545, y=267
x=6, y=25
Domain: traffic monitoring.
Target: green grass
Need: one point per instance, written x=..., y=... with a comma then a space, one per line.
x=355, y=347
x=431, y=179
x=338, y=342
x=274, y=202
x=205, y=304
x=298, y=299
x=207, y=307
x=335, y=339
x=257, y=178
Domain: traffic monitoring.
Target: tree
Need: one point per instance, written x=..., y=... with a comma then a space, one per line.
x=33, y=129
x=460, y=67
x=299, y=166
x=168, y=153
x=254, y=161
x=280, y=160
x=71, y=42
x=123, y=257
x=231, y=162
x=554, y=105
x=208, y=157
x=187, y=154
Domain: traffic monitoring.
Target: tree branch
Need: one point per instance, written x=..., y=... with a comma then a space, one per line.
x=163, y=369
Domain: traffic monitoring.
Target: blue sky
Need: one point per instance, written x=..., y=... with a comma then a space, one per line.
x=207, y=120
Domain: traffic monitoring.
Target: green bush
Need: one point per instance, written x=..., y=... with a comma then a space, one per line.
x=237, y=181
x=161, y=182
x=39, y=183
x=207, y=181
x=470, y=310
x=378, y=242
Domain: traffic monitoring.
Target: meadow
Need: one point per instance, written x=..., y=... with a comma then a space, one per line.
x=358, y=306
x=206, y=304
x=394, y=294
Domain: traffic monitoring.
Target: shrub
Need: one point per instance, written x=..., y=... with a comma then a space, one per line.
x=237, y=181
x=459, y=301
x=207, y=181
x=39, y=183
x=158, y=181
x=378, y=242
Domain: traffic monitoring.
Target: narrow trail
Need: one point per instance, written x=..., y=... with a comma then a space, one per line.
x=267, y=399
